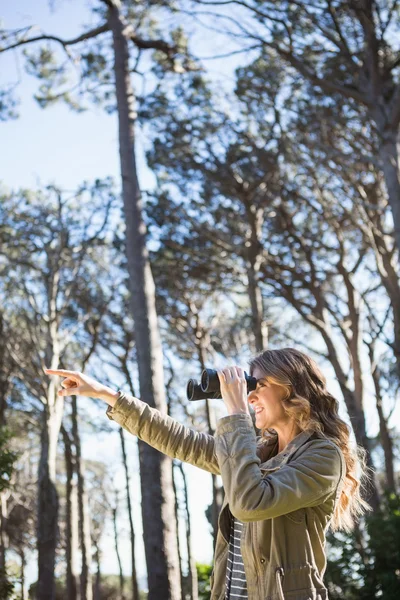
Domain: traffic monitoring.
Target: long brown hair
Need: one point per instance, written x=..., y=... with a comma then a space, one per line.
x=312, y=407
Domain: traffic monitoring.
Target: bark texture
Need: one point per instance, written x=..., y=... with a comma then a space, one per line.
x=135, y=588
x=71, y=525
x=83, y=508
x=159, y=522
x=48, y=505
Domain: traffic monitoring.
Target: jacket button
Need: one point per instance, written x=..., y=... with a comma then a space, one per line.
x=262, y=560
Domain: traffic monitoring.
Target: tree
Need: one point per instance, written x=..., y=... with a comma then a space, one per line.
x=373, y=572
x=72, y=519
x=308, y=250
x=121, y=21
x=50, y=260
x=7, y=459
x=345, y=50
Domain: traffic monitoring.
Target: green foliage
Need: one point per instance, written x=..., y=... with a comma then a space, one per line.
x=371, y=572
x=6, y=587
x=203, y=578
x=8, y=104
x=7, y=459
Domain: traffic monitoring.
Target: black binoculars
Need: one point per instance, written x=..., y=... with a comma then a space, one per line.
x=209, y=386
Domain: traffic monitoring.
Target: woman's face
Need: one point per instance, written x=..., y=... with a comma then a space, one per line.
x=266, y=401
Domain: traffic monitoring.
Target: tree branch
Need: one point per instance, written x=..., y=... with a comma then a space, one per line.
x=65, y=43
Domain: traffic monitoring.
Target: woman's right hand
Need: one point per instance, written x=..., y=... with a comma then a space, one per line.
x=78, y=384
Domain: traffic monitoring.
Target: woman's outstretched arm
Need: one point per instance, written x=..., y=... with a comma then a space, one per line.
x=160, y=431
x=164, y=433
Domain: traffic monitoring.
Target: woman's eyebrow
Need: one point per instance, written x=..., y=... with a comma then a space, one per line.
x=262, y=379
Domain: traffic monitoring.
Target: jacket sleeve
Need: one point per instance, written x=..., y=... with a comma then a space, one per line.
x=305, y=481
x=165, y=434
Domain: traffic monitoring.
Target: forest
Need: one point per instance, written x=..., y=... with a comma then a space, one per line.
x=254, y=203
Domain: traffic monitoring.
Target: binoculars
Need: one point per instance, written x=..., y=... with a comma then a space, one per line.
x=209, y=386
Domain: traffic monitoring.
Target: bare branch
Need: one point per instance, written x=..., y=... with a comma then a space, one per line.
x=65, y=43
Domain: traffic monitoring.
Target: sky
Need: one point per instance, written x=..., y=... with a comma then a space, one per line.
x=59, y=146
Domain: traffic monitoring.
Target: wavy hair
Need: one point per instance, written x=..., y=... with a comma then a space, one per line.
x=312, y=407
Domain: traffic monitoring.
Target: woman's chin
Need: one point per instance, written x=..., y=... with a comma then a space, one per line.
x=262, y=423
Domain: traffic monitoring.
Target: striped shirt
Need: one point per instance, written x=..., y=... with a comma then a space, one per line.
x=236, y=586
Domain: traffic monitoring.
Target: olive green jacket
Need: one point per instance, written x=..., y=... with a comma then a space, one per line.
x=285, y=500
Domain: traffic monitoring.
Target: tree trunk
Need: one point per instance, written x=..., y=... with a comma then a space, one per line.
x=159, y=525
x=97, y=583
x=385, y=438
x=84, y=516
x=177, y=536
x=72, y=519
x=192, y=574
x=47, y=524
x=389, y=155
x=254, y=259
x=3, y=534
x=22, y=578
x=257, y=312
x=356, y=414
x=121, y=575
x=212, y=511
x=4, y=388
x=135, y=589
x=386, y=267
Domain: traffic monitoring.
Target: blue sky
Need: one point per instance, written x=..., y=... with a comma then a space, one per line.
x=53, y=144
x=57, y=144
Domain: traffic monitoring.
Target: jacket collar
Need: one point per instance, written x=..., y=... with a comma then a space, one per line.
x=285, y=455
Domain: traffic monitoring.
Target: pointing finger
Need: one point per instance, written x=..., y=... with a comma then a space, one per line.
x=61, y=372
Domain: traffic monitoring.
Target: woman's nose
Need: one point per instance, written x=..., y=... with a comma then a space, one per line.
x=251, y=397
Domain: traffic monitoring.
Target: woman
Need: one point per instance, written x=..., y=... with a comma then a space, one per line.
x=282, y=488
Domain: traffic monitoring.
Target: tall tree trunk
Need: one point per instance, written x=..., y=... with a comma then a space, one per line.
x=72, y=519
x=47, y=523
x=135, y=589
x=4, y=389
x=257, y=311
x=121, y=575
x=159, y=525
x=254, y=260
x=22, y=578
x=356, y=414
x=385, y=437
x=177, y=536
x=389, y=155
x=192, y=574
x=97, y=583
x=387, y=269
x=84, y=516
x=212, y=512
x=3, y=535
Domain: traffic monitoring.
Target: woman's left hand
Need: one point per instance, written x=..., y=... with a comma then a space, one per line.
x=234, y=390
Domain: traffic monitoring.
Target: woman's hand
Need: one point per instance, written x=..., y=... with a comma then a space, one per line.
x=234, y=390
x=78, y=384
